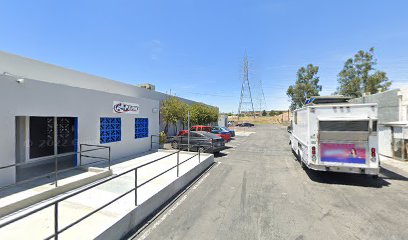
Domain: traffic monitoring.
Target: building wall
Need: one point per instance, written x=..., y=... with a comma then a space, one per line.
x=38, y=98
x=33, y=69
x=388, y=105
x=223, y=120
x=392, y=107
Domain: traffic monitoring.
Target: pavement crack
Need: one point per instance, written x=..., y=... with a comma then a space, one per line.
x=243, y=193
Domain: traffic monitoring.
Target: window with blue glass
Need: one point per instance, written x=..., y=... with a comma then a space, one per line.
x=141, y=127
x=110, y=130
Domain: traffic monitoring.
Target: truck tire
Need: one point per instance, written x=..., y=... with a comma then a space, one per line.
x=302, y=164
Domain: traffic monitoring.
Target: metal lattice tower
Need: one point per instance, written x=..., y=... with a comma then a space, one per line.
x=246, y=105
x=262, y=100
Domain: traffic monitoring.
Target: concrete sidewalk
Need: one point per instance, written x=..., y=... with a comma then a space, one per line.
x=397, y=166
x=41, y=224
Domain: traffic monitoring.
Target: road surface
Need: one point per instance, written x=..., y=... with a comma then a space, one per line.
x=257, y=190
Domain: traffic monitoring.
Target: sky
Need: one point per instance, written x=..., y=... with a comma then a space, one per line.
x=195, y=49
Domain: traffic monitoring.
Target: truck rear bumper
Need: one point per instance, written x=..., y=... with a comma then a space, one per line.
x=345, y=169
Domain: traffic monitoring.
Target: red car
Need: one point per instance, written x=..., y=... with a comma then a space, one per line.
x=225, y=136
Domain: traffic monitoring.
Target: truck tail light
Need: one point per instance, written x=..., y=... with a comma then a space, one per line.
x=313, y=150
x=372, y=152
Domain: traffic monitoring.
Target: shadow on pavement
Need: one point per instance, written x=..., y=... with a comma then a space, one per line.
x=352, y=179
x=346, y=179
x=389, y=174
x=220, y=154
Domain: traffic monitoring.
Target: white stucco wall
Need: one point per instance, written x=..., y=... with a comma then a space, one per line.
x=388, y=105
x=38, y=98
x=392, y=104
x=33, y=69
x=392, y=107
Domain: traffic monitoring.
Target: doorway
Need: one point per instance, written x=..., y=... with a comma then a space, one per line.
x=45, y=139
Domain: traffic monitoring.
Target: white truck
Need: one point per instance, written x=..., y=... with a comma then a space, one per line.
x=330, y=134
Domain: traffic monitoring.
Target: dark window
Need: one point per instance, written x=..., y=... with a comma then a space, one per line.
x=41, y=136
x=344, y=126
x=110, y=130
x=375, y=126
x=66, y=134
x=141, y=127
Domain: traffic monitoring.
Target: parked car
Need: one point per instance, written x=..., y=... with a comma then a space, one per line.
x=201, y=128
x=232, y=132
x=225, y=129
x=196, y=128
x=199, y=141
x=222, y=133
x=245, y=124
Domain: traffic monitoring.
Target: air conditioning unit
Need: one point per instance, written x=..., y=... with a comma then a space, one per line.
x=147, y=86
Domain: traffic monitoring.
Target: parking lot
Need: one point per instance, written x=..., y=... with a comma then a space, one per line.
x=257, y=190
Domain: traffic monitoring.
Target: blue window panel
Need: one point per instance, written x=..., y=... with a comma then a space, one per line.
x=141, y=127
x=110, y=130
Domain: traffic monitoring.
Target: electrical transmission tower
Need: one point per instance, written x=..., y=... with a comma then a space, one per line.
x=262, y=100
x=246, y=105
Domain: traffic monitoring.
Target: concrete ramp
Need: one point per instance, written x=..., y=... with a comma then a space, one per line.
x=25, y=196
x=137, y=216
x=122, y=216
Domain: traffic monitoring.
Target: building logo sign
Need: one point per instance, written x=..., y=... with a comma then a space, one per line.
x=125, y=107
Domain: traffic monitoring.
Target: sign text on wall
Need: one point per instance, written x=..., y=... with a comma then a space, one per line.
x=125, y=107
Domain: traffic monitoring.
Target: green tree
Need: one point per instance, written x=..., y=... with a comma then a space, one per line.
x=203, y=114
x=184, y=108
x=307, y=85
x=359, y=75
x=172, y=111
x=264, y=113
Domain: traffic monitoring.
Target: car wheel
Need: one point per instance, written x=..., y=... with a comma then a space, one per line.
x=174, y=144
x=201, y=149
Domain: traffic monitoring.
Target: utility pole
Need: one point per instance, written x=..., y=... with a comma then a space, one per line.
x=245, y=103
x=188, y=132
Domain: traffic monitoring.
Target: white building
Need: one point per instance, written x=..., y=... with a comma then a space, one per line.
x=48, y=111
x=223, y=120
x=392, y=121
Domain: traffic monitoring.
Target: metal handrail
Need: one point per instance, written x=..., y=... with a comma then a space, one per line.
x=57, y=171
x=58, y=231
x=151, y=141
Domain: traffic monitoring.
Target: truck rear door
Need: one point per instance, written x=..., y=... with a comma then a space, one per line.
x=344, y=142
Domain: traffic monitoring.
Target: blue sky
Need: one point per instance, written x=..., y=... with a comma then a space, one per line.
x=195, y=48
